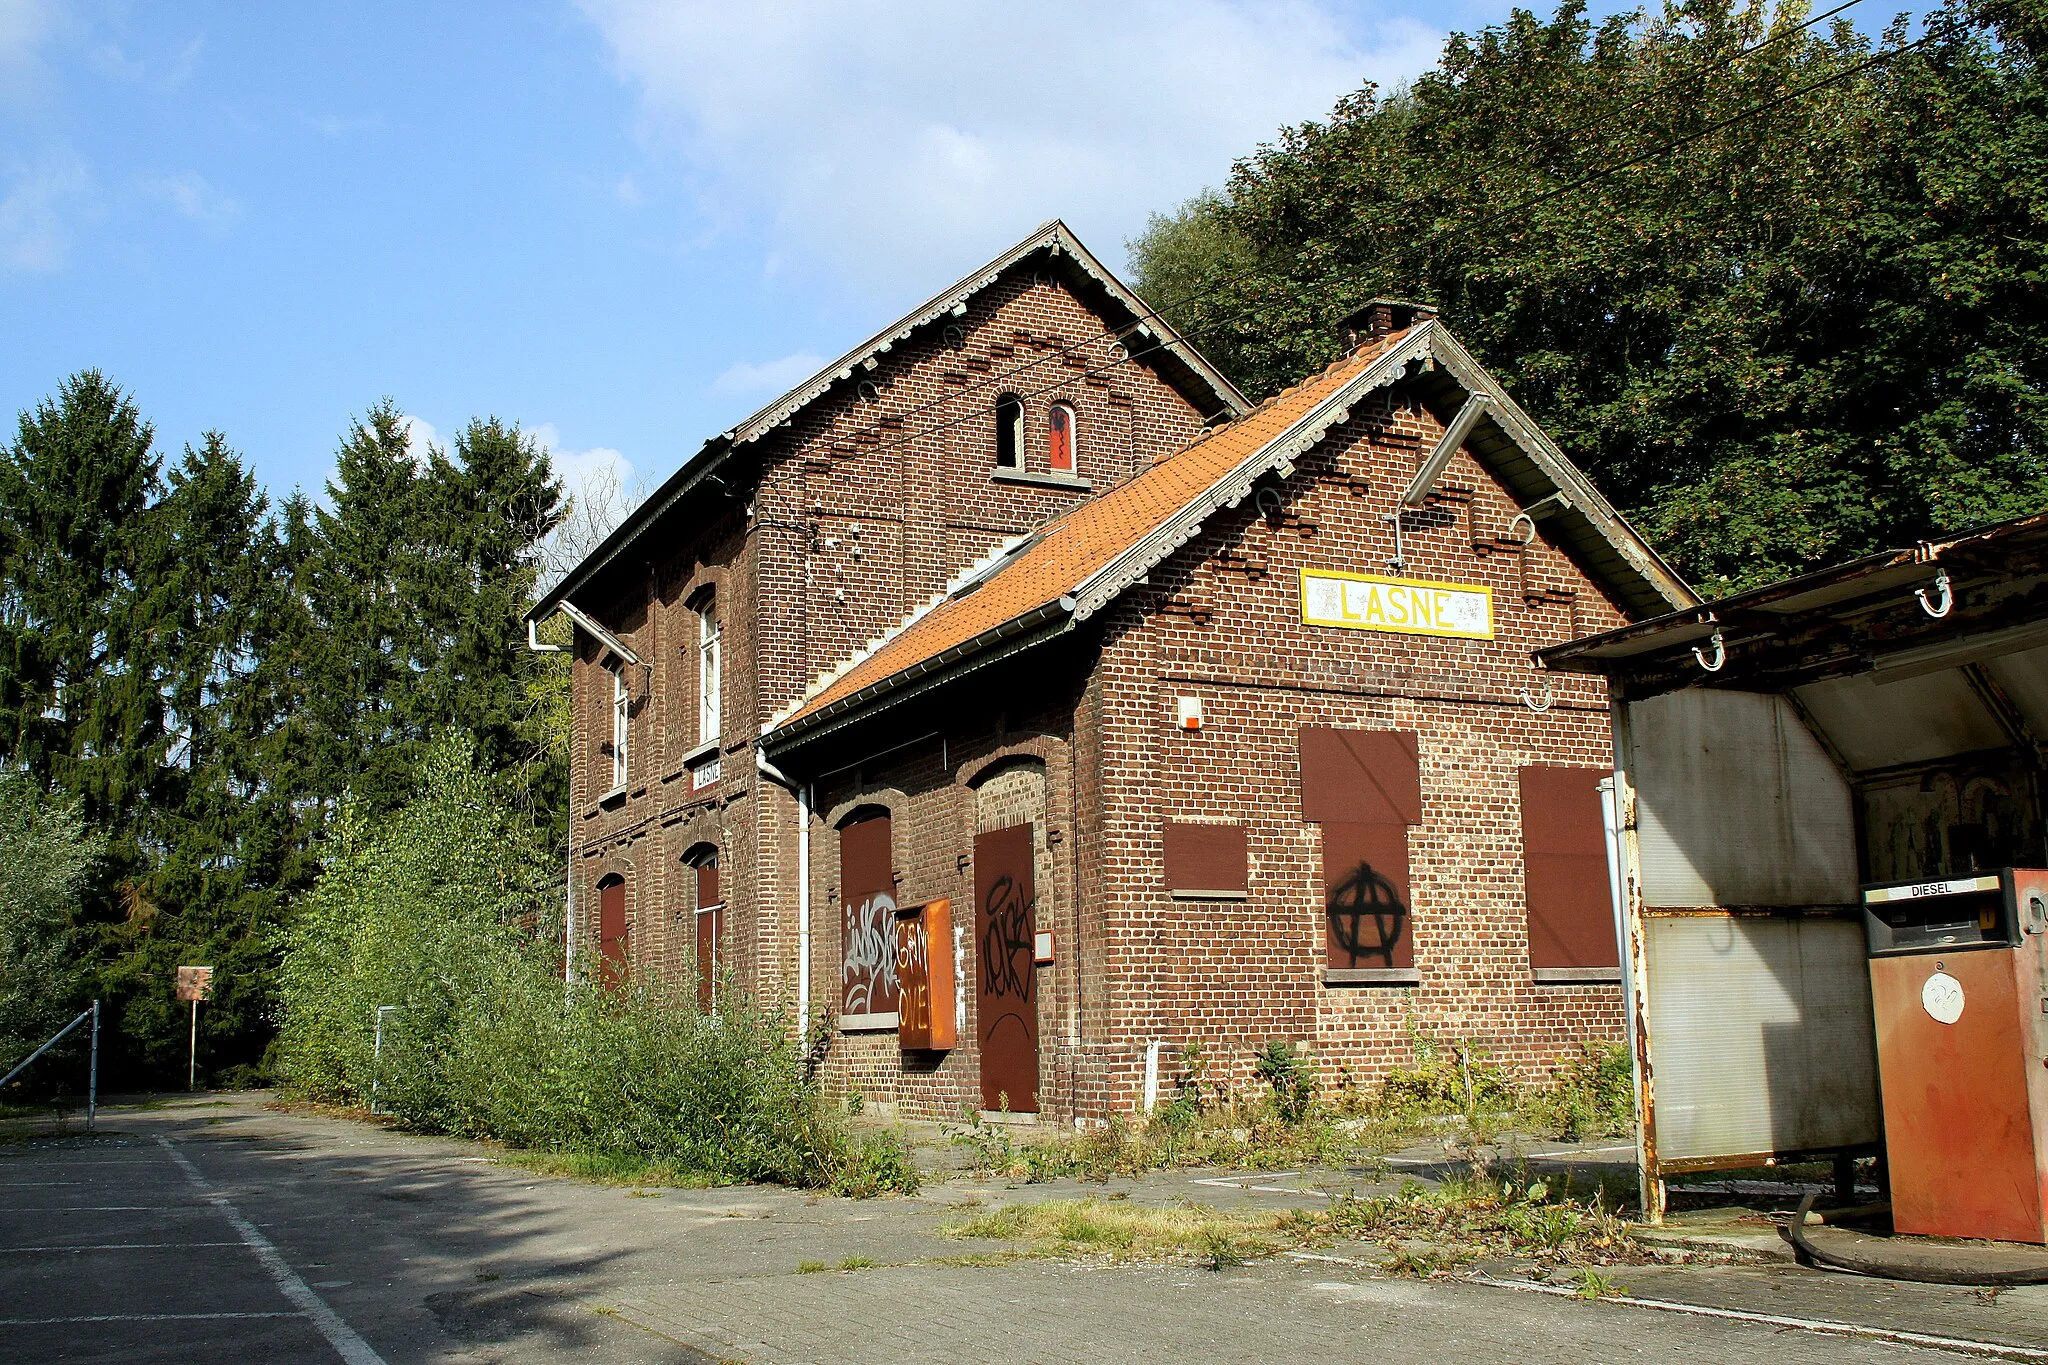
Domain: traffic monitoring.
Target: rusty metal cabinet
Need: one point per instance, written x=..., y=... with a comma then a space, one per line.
x=1959, y=986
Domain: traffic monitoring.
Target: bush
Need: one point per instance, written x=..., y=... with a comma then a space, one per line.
x=1292, y=1077
x=446, y=910
x=1593, y=1094
x=45, y=858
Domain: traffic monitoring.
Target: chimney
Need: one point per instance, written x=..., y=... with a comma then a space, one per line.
x=1378, y=318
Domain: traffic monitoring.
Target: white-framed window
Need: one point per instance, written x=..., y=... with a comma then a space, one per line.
x=1009, y=432
x=622, y=723
x=707, y=671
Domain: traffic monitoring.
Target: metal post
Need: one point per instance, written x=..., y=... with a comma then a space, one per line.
x=377, y=1054
x=92, y=1075
x=192, y=1055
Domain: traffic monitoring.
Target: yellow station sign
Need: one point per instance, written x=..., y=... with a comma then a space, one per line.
x=1404, y=606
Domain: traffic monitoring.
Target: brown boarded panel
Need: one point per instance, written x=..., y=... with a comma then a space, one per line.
x=926, y=1020
x=1366, y=920
x=1564, y=868
x=611, y=933
x=1006, y=977
x=867, y=918
x=1206, y=857
x=710, y=932
x=1360, y=776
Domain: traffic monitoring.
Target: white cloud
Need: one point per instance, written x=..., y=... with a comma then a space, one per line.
x=604, y=489
x=899, y=143
x=34, y=233
x=24, y=24
x=420, y=438
x=769, y=377
x=191, y=196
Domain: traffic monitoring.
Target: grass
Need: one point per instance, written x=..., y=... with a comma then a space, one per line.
x=1286, y=1117
x=608, y=1168
x=1123, y=1231
x=1424, y=1232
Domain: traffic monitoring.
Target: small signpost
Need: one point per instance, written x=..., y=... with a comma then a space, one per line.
x=194, y=984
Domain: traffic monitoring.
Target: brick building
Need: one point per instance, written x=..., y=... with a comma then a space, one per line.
x=788, y=542
x=1236, y=740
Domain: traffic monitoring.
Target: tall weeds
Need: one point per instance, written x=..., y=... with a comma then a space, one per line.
x=446, y=910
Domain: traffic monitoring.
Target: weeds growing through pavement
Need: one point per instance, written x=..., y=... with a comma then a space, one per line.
x=1289, y=1115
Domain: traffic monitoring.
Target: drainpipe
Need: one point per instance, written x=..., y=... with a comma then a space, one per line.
x=803, y=797
x=569, y=868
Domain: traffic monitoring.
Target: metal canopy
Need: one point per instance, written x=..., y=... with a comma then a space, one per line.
x=1877, y=613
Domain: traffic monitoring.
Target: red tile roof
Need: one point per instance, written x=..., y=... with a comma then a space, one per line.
x=1072, y=548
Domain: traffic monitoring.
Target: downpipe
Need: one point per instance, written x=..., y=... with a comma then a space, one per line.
x=803, y=795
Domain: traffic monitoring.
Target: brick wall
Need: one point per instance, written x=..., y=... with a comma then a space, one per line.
x=863, y=507
x=1221, y=621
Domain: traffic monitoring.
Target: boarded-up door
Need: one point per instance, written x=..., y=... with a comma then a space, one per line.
x=1006, y=987
x=710, y=933
x=611, y=932
x=867, y=923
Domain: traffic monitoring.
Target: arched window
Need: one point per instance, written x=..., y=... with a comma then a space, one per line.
x=1009, y=431
x=710, y=924
x=611, y=932
x=1061, y=438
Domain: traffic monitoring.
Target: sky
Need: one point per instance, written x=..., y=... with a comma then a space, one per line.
x=623, y=224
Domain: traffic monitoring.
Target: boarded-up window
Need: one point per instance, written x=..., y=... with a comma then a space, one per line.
x=1206, y=860
x=1365, y=897
x=611, y=931
x=710, y=928
x=1062, y=433
x=1365, y=788
x=1369, y=777
x=867, y=921
x=1564, y=862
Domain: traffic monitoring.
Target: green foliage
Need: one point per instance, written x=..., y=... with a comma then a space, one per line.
x=45, y=859
x=1814, y=333
x=1593, y=1092
x=1446, y=1078
x=444, y=907
x=1292, y=1077
x=207, y=678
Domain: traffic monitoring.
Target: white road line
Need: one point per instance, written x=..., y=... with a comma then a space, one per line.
x=1823, y=1326
x=339, y=1334
x=137, y=1317
x=121, y=1246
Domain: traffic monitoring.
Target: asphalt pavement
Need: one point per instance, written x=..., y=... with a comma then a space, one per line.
x=218, y=1229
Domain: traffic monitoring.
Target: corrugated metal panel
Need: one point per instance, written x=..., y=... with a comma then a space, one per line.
x=1760, y=1035
x=1910, y=720
x=1737, y=804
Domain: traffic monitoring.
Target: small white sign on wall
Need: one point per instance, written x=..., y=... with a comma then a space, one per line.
x=1403, y=606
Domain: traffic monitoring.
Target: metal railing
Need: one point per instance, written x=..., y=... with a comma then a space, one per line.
x=92, y=1089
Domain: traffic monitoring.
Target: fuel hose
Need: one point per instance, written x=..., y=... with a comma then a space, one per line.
x=1809, y=1254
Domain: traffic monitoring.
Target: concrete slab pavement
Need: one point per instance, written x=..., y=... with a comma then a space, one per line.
x=428, y=1249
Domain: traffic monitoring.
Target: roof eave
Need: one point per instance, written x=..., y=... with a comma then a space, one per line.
x=1053, y=235
x=931, y=671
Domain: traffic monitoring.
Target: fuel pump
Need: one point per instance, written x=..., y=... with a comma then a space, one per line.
x=1959, y=986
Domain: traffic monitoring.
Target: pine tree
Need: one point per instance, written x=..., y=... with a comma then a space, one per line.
x=80, y=646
